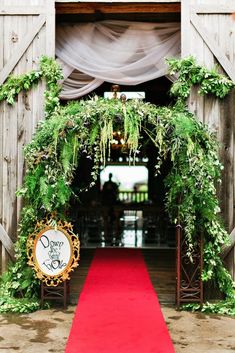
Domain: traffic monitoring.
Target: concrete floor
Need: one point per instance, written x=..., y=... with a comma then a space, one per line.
x=47, y=331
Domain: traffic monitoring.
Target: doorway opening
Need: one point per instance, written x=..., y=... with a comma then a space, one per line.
x=130, y=213
x=138, y=218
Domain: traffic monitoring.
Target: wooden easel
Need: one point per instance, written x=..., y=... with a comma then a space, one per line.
x=60, y=292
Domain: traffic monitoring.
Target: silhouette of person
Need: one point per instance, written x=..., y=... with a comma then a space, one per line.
x=110, y=192
x=109, y=199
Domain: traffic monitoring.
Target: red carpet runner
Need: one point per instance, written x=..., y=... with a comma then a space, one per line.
x=118, y=311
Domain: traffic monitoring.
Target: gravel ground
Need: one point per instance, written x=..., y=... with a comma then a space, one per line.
x=47, y=331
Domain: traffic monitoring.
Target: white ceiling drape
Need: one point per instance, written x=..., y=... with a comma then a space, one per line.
x=120, y=52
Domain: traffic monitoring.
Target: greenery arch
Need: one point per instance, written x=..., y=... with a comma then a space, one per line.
x=87, y=127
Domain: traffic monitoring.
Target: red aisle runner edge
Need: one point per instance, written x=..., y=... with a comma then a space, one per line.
x=118, y=310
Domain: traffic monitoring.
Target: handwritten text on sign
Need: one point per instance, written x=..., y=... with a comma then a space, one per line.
x=53, y=252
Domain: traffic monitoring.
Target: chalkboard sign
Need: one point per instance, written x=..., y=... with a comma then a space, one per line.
x=53, y=252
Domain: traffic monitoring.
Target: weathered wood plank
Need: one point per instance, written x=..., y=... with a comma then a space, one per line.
x=50, y=28
x=1, y=121
x=4, y=259
x=226, y=157
x=24, y=113
x=230, y=263
x=37, y=98
x=7, y=242
x=211, y=104
x=189, y=36
x=22, y=48
x=233, y=220
x=24, y=3
x=214, y=8
x=118, y=1
x=227, y=130
x=212, y=27
x=226, y=249
x=18, y=122
x=185, y=29
x=196, y=100
x=21, y=10
x=93, y=7
x=1, y=42
x=16, y=30
x=228, y=255
x=1, y=258
x=9, y=174
x=227, y=125
x=225, y=63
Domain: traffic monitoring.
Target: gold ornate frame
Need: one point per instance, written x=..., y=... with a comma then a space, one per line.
x=67, y=229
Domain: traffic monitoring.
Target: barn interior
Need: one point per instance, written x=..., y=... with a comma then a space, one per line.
x=137, y=218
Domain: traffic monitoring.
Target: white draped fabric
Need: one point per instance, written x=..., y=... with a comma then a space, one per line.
x=119, y=52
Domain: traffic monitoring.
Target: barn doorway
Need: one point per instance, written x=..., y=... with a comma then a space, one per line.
x=139, y=219
x=136, y=218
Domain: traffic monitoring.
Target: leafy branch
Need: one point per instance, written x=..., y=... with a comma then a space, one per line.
x=190, y=74
x=48, y=70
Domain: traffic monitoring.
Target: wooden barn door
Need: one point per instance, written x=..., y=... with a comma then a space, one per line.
x=27, y=31
x=208, y=33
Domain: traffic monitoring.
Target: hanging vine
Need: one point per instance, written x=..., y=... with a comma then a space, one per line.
x=49, y=70
x=85, y=128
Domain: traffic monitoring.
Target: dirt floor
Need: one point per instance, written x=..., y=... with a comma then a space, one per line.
x=47, y=331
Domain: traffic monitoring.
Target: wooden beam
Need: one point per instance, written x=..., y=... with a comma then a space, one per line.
x=7, y=242
x=185, y=29
x=226, y=250
x=4, y=258
x=213, y=9
x=50, y=28
x=213, y=46
x=119, y=1
x=106, y=8
x=21, y=10
x=21, y=48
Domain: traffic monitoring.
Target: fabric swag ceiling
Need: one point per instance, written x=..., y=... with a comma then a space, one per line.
x=119, y=52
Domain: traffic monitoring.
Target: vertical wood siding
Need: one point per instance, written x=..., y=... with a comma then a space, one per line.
x=17, y=123
x=218, y=114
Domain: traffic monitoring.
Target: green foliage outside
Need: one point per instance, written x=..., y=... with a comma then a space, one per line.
x=85, y=128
